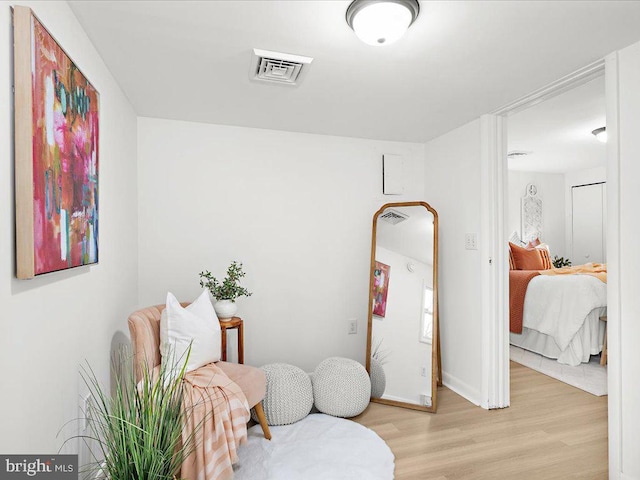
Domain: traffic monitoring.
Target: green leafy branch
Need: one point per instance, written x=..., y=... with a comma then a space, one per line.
x=559, y=262
x=229, y=288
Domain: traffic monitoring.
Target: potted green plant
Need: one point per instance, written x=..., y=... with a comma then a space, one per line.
x=560, y=262
x=227, y=291
x=137, y=432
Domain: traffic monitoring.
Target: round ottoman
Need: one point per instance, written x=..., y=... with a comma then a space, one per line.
x=289, y=396
x=341, y=387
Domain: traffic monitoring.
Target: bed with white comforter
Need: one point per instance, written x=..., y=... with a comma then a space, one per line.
x=561, y=317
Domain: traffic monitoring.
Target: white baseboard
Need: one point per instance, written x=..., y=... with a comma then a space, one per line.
x=398, y=399
x=464, y=390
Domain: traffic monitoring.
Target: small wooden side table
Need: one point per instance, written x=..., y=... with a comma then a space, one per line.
x=603, y=355
x=230, y=324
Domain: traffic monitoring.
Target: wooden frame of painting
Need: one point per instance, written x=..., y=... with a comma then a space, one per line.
x=56, y=154
x=380, y=288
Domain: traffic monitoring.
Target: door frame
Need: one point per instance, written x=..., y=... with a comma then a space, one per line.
x=494, y=255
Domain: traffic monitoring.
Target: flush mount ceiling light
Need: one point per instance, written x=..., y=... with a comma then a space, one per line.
x=381, y=22
x=601, y=134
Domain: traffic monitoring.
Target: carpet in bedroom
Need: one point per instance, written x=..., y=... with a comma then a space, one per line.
x=318, y=447
x=590, y=377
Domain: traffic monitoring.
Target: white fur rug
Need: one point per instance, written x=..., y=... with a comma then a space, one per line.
x=590, y=377
x=318, y=447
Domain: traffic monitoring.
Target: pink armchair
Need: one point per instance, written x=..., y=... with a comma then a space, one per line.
x=144, y=326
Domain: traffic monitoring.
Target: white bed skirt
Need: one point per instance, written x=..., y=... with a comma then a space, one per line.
x=588, y=341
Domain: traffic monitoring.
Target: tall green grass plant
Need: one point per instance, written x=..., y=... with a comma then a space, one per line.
x=136, y=433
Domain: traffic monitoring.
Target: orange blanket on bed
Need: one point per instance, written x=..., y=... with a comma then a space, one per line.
x=598, y=270
x=518, y=282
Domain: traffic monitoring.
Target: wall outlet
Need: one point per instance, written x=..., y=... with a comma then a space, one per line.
x=471, y=241
x=353, y=326
x=425, y=400
x=423, y=371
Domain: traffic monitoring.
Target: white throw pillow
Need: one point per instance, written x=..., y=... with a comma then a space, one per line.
x=516, y=240
x=196, y=325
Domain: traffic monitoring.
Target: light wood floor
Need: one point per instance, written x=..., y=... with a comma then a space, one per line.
x=550, y=431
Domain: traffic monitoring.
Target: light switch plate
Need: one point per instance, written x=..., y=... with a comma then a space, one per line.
x=471, y=241
x=353, y=326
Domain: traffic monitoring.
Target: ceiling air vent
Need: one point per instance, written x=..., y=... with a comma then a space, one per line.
x=393, y=217
x=276, y=67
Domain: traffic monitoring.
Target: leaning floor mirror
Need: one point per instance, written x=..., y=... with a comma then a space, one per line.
x=403, y=351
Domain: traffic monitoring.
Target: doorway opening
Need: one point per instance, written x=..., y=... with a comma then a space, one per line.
x=495, y=268
x=556, y=223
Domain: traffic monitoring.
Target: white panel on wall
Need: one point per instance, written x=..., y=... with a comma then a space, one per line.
x=392, y=174
x=531, y=215
x=551, y=190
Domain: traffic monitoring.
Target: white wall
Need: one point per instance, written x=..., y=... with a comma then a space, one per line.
x=296, y=209
x=572, y=179
x=551, y=192
x=399, y=330
x=452, y=187
x=626, y=401
x=52, y=324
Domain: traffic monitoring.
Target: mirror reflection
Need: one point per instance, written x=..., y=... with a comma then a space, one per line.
x=402, y=351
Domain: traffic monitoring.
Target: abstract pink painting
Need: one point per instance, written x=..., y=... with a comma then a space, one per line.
x=65, y=158
x=380, y=288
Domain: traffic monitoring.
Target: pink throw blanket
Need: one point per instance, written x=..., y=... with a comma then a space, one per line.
x=218, y=414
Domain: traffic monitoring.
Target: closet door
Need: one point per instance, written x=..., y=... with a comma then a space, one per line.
x=589, y=220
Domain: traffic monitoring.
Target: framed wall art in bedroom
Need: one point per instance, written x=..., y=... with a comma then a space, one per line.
x=56, y=154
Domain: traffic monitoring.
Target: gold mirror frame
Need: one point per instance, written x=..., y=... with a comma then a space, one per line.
x=436, y=368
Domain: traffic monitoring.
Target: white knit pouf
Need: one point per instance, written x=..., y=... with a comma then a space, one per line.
x=341, y=387
x=289, y=396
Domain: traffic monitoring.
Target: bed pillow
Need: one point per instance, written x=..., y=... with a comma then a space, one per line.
x=543, y=249
x=512, y=262
x=515, y=239
x=196, y=325
x=533, y=243
x=545, y=252
x=529, y=259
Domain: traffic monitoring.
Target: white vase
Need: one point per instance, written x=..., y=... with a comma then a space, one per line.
x=225, y=308
x=378, y=379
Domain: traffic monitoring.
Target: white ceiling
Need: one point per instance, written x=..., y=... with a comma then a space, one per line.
x=558, y=132
x=189, y=60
